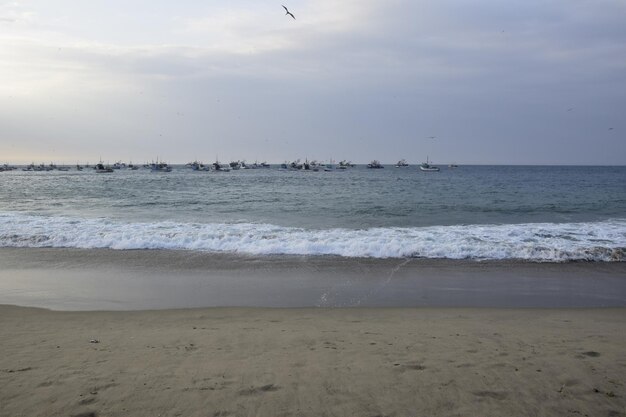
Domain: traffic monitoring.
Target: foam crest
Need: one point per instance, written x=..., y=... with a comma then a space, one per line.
x=539, y=242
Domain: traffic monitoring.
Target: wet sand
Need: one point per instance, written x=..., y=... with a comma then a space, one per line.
x=313, y=362
x=76, y=279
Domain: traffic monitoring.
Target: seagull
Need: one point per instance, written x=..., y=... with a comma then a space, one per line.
x=289, y=13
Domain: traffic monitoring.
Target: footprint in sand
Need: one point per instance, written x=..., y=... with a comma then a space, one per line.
x=496, y=395
x=259, y=390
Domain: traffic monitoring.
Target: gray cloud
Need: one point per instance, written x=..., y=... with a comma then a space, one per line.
x=492, y=80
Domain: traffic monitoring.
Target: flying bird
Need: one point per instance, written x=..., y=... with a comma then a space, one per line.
x=431, y=137
x=289, y=13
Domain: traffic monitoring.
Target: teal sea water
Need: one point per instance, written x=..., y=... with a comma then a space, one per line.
x=535, y=213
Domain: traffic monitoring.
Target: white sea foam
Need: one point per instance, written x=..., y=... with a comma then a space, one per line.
x=592, y=241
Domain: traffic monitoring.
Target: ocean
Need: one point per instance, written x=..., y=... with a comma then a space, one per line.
x=476, y=213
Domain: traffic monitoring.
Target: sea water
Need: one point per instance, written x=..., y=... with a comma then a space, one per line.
x=534, y=213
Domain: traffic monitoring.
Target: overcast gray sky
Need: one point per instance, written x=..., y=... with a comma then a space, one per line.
x=507, y=82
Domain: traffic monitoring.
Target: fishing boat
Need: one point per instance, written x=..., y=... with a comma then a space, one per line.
x=160, y=167
x=295, y=165
x=375, y=165
x=427, y=167
x=218, y=167
x=101, y=169
x=402, y=164
x=197, y=166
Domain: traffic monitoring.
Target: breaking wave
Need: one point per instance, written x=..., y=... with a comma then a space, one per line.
x=603, y=241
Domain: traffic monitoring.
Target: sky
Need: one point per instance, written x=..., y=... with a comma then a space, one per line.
x=494, y=82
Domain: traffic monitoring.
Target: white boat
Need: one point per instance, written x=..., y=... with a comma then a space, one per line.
x=427, y=167
x=160, y=167
x=197, y=166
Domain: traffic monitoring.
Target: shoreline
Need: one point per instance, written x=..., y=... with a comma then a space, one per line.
x=104, y=279
x=313, y=362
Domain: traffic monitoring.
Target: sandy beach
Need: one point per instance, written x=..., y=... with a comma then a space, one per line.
x=313, y=362
x=157, y=333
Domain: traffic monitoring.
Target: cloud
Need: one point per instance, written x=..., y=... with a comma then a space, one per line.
x=350, y=71
x=15, y=12
x=351, y=42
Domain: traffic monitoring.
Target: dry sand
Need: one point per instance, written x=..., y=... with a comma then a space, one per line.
x=313, y=362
